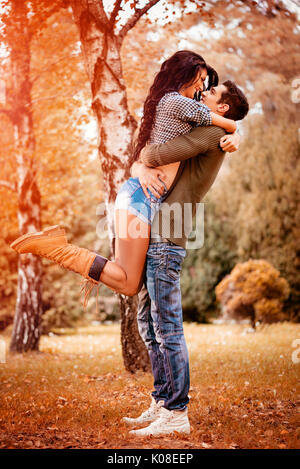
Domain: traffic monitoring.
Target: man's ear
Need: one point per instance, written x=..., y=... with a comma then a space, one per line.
x=223, y=107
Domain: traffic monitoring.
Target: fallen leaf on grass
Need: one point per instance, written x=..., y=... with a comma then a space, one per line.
x=90, y=379
x=62, y=398
x=205, y=445
x=233, y=446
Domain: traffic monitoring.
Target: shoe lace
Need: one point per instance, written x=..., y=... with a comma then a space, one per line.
x=87, y=287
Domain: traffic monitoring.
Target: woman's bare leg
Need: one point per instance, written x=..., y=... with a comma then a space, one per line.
x=125, y=274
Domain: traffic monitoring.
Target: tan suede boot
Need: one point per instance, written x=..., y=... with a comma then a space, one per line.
x=53, y=244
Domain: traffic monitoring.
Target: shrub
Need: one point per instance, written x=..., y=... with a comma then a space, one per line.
x=254, y=290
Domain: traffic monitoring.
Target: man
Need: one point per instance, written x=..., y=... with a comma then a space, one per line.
x=201, y=153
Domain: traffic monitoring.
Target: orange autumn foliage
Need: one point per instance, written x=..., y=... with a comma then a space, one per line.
x=254, y=290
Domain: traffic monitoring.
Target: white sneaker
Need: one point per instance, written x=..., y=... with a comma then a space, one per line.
x=148, y=416
x=169, y=421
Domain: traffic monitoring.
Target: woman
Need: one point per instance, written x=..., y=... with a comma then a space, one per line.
x=169, y=111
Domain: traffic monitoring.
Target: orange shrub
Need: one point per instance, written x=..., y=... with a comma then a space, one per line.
x=254, y=290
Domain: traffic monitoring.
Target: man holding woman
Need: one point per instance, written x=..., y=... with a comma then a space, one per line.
x=201, y=153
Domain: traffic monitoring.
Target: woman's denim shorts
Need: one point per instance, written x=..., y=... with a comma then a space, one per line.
x=131, y=197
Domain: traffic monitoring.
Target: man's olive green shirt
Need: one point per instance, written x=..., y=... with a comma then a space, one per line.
x=201, y=158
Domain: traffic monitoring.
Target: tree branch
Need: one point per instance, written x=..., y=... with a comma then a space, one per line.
x=267, y=10
x=9, y=185
x=136, y=16
x=115, y=12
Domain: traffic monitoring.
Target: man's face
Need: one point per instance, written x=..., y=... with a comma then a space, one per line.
x=211, y=98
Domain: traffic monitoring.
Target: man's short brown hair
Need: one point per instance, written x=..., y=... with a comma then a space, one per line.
x=237, y=101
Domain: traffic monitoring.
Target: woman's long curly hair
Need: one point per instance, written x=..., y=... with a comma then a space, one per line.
x=179, y=70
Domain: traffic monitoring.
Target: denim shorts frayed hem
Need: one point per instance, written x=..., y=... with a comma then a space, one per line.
x=131, y=197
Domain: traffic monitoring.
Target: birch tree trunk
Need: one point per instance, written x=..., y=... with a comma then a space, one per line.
x=101, y=51
x=26, y=328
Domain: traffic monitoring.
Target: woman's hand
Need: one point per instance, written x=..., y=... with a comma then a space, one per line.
x=230, y=143
x=150, y=178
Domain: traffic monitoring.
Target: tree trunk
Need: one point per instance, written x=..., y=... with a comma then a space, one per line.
x=101, y=51
x=26, y=328
x=135, y=357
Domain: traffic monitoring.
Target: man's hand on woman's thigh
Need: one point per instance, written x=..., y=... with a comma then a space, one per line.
x=150, y=178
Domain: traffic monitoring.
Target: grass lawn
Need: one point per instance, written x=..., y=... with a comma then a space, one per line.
x=74, y=393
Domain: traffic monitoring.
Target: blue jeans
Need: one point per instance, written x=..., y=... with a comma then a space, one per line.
x=160, y=325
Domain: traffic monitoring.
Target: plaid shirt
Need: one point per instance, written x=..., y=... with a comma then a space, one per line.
x=177, y=115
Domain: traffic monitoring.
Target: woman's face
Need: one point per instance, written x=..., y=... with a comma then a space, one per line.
x=188, y=90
